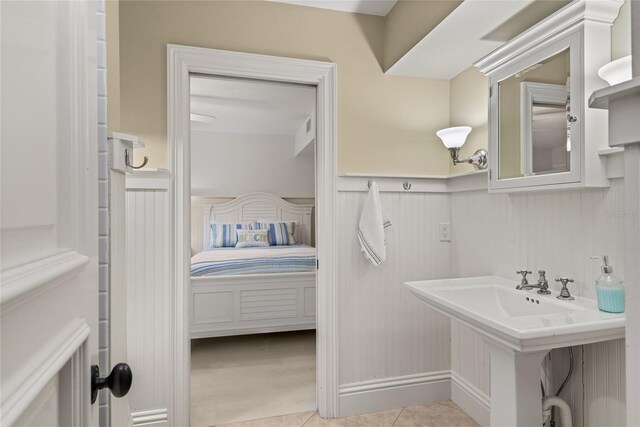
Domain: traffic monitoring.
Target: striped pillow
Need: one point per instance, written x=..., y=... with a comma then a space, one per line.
x=225, y=235
x=280, y=233
x=253, y=238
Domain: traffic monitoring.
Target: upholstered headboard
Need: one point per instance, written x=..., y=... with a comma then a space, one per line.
x=258, y=207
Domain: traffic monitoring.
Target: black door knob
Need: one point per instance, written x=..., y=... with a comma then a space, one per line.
x=119, y=381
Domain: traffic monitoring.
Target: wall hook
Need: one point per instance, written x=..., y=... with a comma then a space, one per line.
x=128, y=162
x=369, y=184
x=406, y=185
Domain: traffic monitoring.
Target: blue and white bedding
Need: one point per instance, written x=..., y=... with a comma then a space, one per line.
x=274, y=259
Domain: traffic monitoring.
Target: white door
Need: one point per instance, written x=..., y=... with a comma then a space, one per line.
x=49, y=213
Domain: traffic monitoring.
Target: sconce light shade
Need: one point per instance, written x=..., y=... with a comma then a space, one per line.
x=454, y=137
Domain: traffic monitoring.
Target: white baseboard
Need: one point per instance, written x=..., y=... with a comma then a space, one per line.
x=393, y=393
x=470, y=399
x=147, y=418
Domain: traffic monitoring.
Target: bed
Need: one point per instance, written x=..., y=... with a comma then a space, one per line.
x=254, y=290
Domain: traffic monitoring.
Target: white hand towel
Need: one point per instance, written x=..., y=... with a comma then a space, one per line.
x=373, y=222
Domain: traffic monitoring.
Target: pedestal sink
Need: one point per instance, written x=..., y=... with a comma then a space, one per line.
x=520, y=328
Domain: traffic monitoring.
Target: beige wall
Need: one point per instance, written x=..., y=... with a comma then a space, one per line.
x=408, y=22
x=112, y=21
x=386, y=124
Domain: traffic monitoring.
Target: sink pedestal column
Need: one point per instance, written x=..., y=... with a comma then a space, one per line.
x=516, y=399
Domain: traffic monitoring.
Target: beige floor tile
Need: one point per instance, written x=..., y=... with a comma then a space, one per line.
x=441, y=414
x=376, y=419
x=293, y=420
x=252, y=377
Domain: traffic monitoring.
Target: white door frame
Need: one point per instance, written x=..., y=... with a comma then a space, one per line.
x=183, y=61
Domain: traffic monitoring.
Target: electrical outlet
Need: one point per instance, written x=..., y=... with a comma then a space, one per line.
x=445, y=232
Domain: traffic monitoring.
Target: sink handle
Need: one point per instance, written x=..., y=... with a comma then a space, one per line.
x=524, y=280
x=564, y=292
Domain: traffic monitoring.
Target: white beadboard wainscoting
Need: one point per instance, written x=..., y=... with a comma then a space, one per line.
x=497, y=234
x=149, y=298
x=392, y=348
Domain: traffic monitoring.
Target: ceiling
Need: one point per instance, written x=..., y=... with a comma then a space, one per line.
x=368, y=7
x=473, y=30
x=250, y=106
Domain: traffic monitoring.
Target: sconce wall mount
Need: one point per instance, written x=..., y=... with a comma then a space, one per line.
x=479, y=159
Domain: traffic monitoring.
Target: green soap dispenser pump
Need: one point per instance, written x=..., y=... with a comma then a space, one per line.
x=609, y=289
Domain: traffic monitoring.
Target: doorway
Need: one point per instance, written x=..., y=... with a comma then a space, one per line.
x=183, y=62
x=253, y=259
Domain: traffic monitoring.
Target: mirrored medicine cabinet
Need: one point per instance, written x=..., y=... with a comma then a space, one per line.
x=542, y=134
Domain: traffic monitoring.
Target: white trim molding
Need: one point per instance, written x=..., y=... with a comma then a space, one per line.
x=40, y=274
x=470, y=399
x=38, y=371
x=556, y=26
x=148, y=180
x=417, y=389
x=392, y=393
x=182, y=61
x=465, y=181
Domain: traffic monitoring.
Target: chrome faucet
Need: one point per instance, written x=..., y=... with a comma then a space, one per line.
x=543, y=285
x=564, y=292
x=524, y=283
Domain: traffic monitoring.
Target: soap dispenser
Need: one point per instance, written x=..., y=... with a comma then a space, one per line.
x=609, y=289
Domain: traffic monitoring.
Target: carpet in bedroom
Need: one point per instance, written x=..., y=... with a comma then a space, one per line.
x=252, y=376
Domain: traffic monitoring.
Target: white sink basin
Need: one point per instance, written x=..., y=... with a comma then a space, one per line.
x=520, y=328
x=523, y=320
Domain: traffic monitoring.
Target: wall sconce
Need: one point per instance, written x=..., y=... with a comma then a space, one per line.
x=454, y=138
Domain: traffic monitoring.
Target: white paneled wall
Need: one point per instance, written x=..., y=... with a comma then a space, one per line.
x=556, y=231
x=385, y=332
x=604, y=384
x=470, y=357
x=148, y=301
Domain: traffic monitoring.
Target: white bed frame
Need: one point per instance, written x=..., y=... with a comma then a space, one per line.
x=254, y=303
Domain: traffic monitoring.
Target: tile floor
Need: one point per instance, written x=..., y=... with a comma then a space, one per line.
x=248, y=381
x=440, y=414
x=252, y=377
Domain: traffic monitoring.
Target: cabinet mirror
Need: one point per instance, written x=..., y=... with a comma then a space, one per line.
x=542, y=133
x=534, y=133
